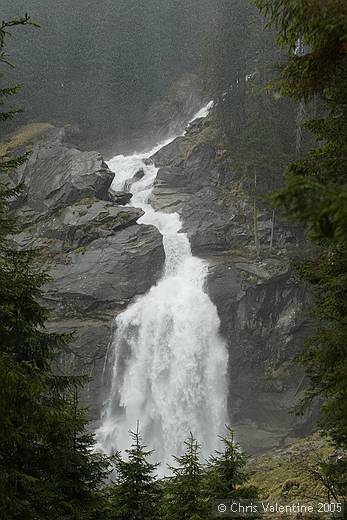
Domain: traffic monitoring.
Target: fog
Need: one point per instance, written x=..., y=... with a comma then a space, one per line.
x=100, y=65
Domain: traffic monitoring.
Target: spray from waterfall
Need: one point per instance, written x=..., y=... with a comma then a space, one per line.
x=169, y=362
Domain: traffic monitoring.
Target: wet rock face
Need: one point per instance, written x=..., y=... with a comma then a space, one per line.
x=108, y=272
x=261, y=307
x=56, y=175
x=197, y=179
x=100, y=259
x=137, y=177
x=97, y=255
x=120, y=197
x=259, y=301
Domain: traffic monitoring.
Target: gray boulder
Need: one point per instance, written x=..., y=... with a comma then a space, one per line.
x=78, y=225
x=120, y=197
x=57, y=175
x=137, y=177
x=107, y=273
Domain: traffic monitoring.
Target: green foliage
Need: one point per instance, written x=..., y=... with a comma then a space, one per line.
x=135, y=494
x=226, y=474
x=320, y=25
x=315, y=191
x=184, y=498
x=22, y=318
x=190, y=492
x=7, y=224
x=47, y=469
x=309, y=470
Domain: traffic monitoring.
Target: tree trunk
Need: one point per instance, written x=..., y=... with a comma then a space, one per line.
x=272, y=230
x=299, y=118
x=255, y=217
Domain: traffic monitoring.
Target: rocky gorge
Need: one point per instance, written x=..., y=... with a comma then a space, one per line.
x=100, y=259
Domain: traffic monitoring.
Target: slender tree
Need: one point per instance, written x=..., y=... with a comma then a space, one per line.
x=226, y=475
x=135, y=494
x=184, y=498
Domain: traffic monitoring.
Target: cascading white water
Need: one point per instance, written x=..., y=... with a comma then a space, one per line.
x=169, y=361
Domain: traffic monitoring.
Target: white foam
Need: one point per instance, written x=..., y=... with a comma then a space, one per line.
x=169, y=360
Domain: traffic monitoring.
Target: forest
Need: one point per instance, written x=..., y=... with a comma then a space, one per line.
x=128, y=55
x=276, y=71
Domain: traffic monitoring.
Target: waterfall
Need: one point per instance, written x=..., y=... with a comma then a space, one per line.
x=169, y=362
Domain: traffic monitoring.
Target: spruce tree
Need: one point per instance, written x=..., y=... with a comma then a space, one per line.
x=315, y=191
x=184, y=498
x=7, y=223
x=226, y=474
x=135, y=493
x=47, y=469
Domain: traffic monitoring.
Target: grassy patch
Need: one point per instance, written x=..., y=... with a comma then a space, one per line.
x=246, y=253
x=291, y=474
x=23, y=136
x=87, y=201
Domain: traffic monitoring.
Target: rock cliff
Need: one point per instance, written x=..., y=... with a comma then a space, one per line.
x=97, y=255
x=100, y=259
x=259, y=301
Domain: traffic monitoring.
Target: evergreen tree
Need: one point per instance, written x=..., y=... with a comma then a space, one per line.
x=315, y=192
x=47, y=469
x=7, y=223
x=184, y=498
x=226, y=474
x=256, y=127
x=135, y=494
